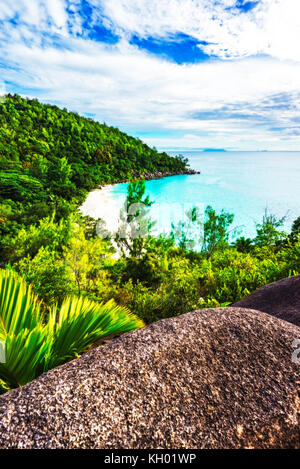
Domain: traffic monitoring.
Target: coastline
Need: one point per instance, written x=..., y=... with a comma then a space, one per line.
x=155, y=175
x=100, y=203
x=159, y=174
x=150, y=176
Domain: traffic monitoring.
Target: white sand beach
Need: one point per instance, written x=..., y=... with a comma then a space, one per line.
x=101, y=204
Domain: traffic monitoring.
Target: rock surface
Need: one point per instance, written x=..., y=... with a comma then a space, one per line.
x=158, y=175
x=220, y=378
x=280, y=299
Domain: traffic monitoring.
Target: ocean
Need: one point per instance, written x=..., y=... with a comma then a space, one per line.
x=242, y=183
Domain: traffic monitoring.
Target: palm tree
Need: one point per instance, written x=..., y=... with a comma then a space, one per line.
x=243, y=244
x=34, y=344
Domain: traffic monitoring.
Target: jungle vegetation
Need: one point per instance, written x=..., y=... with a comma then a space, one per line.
x=49, y=160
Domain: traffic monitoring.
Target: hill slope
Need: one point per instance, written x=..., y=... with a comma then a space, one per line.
x=50, y=158
x=41, y=143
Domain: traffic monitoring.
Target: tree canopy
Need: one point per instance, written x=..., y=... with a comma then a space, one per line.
x=50, y=158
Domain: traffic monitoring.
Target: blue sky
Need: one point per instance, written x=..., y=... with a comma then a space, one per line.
x=176, y=73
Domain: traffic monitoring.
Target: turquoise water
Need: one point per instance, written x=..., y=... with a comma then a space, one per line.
x=243, y=183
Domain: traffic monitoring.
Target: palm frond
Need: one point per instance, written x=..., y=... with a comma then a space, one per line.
x=33, y=346
x=80, y=322
x=21, y=330
x=18, y=306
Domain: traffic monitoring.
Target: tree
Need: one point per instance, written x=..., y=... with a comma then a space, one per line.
x=267, y=233
x=208, y=234
x=48, y=275
x=295, y=231
x=188, y=234
x=48, y=234
x=216, y=232
x=85, y=258
x=243, y=244
x=135, y=226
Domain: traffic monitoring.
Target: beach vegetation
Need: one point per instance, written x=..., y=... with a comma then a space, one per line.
x=84, y=286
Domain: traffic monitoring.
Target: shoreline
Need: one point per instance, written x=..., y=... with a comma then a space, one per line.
x=151, y=176
x=100, y=202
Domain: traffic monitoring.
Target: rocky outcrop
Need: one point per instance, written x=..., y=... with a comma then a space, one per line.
x=221, y=378
x=159, y=174
x=280, y=299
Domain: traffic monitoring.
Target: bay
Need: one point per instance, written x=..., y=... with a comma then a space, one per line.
x=242, y=183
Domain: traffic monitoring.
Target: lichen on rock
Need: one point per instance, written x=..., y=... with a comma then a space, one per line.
x=217, y=378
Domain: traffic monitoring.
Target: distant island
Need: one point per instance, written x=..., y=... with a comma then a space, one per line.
x=213, y=149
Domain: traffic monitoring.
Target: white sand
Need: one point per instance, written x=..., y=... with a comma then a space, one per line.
x=101, y=204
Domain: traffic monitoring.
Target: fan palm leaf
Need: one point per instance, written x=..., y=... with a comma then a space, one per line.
x=33, y=346
x=21, y=331
x=80, y=322
x=19, y=309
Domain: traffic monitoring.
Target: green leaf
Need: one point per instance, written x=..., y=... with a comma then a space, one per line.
x=33, y=346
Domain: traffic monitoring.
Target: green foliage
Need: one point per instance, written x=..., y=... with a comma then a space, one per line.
x=295, y=231
x=136, y=194
x=51, y=158
x=80, y=322
x=189, y=235
x=147, y=269
x=62, y=258
x=165, y=281
x=135, y=226
x=290, y=254
x=35, y=344
x=267, y=231
x=210, y=232
x=243, y=244
x=48, y=234
x=22, y=331
x=68, y=151
x=85, y=258
x=216, y=232
x=229, y=275
x=48, y=275
x=181, y=281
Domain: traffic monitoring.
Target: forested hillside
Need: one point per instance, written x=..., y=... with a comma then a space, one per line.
x=50, y=158
x=44, y=144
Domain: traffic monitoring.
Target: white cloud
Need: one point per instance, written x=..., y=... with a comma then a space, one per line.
x=245, y=103
x=57, y=11
x=5, y=10
x=36, y=12
x=272, y=27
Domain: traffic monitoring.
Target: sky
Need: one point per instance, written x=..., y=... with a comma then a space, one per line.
x=179, y=74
